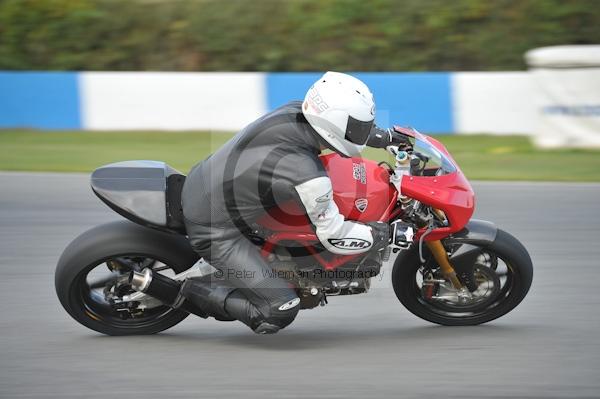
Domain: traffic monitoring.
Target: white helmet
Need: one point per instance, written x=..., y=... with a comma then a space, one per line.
x=341, y=109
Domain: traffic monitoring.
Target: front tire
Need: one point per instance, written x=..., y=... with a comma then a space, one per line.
x=519, y=275
x=125, y=243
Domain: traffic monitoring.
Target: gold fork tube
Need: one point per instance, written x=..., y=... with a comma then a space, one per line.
x=441, y=257
x=440, y=214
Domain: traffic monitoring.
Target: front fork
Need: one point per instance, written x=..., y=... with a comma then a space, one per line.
x=441, y=257
x=437, y=249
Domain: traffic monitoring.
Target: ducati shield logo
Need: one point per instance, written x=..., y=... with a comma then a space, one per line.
x=361, y=204
x=350, y=244
x=288, y=305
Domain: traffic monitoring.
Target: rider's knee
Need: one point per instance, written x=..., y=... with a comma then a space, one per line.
x=200, y=245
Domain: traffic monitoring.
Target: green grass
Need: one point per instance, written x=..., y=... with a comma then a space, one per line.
x=85, y=151
x=481, y=157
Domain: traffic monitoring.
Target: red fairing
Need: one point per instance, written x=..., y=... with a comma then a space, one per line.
x=361, y=190
x=450, y=193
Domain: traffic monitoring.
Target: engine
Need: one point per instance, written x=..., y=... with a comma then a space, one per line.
x=314, y=283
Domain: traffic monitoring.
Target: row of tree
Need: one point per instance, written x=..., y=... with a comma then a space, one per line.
x=287, y=35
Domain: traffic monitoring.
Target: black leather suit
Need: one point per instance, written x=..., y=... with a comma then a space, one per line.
x=273, y=160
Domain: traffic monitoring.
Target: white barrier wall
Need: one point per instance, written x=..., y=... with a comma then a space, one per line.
x=440, y=102
x=481, y=102
x=493, y=102
x=170, y=101
x=568, y=107
x=567, y=93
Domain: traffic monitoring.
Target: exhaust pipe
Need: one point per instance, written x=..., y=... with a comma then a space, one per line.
x=140, y=281
x=164, y=289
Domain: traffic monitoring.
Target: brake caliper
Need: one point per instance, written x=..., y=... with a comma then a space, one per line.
x=430, y=286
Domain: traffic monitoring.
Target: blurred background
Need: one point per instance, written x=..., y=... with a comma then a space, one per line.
x=297, y=35
x=511, y=87
x=202, y=66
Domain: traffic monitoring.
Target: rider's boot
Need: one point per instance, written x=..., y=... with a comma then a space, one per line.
x=274, y=310
x=208, y=296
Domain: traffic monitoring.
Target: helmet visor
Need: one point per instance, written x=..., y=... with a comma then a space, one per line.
x=357, y=132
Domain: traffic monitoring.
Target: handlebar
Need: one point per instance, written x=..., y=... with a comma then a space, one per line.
x=408, y=162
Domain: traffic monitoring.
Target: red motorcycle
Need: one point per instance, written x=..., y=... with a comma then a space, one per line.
x=447, y=268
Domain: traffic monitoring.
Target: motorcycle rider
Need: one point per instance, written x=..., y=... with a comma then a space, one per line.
x=273, y=160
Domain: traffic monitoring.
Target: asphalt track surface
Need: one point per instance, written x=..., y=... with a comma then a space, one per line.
x=359, y=346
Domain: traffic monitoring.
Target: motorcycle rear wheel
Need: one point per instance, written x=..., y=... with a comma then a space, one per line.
x=519, y=275
x=126, y=243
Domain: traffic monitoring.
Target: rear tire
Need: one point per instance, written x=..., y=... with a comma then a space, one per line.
x=505, y=247
x=110, y=241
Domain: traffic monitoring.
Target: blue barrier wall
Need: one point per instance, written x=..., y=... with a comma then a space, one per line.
x=45, y=100
x=433, y=102
x=422, y=100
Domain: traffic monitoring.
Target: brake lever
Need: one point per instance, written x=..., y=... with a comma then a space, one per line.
x=392, y=149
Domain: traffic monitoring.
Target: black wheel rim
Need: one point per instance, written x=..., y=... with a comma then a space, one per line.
x=491, y=263
x=90, y=291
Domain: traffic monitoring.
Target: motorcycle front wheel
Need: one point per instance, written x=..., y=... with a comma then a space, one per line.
x=502, y=273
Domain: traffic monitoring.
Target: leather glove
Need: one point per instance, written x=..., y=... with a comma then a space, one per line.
x=381, y=235
x=400, y=140
x=383, y=138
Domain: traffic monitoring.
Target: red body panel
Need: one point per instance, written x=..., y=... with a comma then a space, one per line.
x=359, y=179
x=353, y=179
x=450, y=193
x=360, y=184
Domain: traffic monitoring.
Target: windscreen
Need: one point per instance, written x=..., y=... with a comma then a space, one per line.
x=433, y=161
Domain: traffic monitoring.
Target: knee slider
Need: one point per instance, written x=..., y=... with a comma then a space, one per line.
x=281, y=313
